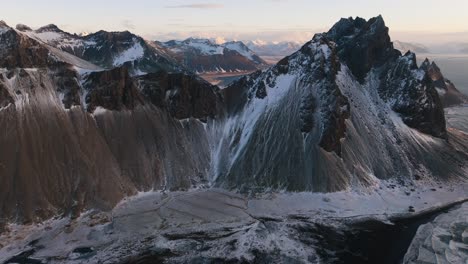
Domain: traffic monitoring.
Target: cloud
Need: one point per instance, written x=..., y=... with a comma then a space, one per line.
x=198, y=6
x=127, y=24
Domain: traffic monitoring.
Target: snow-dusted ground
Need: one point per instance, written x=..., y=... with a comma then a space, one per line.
x=444, y=240
x=214, y=223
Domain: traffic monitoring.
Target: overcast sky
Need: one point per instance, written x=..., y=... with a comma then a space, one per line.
x=409, y=20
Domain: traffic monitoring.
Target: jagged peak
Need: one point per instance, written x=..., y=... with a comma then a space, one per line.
x=410, y=58
x=429, y=65
x=363, y=44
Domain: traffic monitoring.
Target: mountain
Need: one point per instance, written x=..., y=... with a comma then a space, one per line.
x=323, y=111
x=299, y=162
x=65, y=120
x=407, y=46
x=202, y=56
x=263, y=48
x=108, y=49
x=320, y=113
x=448, y=93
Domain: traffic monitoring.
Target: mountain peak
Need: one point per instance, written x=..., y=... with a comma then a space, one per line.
x=49, y=28
x=363, y=44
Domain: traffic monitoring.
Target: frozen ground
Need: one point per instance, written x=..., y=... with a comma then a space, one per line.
x=213, y=224
x=444, y=240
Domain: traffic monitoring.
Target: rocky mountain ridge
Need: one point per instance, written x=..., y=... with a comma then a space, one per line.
x=345, y=110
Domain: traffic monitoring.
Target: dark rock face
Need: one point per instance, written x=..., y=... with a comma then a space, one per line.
x=413, y=95
x=113, y=90
x=363, y=44
x=183, y=95
x=67, y=83
x=18, y=51
x=337, y=108
x=5, y=97
x=448, y=93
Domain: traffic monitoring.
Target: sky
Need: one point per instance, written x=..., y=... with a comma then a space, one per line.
x=268, y=20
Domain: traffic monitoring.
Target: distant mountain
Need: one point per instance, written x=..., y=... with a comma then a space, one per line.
x=273, y=48
x=203, y=55
x=448, y=93
x=108, y=49
x=409, y=46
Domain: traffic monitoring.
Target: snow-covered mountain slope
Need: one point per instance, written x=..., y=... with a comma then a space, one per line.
x=345, y=109
x=202, y=55
x=283, y=48
x=408, y=46
x=109, y=49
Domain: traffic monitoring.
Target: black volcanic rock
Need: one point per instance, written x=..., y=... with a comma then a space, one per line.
x=412, y=94
x=113, y=89
x=66, y=79
x=18, y=51
x=5, y=97
x=363, y=44
x=183, y=95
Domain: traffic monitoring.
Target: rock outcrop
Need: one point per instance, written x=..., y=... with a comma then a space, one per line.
x=447, y=91
x=364, y=46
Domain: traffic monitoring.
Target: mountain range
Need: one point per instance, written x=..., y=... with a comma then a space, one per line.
x=91, y=120
x=202, y=56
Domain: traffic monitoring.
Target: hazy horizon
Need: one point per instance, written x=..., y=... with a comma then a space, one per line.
x=266, y=20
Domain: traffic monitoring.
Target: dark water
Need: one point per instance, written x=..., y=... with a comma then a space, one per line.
x=453, y=66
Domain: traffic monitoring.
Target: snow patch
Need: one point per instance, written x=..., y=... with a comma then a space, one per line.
x=133, y=53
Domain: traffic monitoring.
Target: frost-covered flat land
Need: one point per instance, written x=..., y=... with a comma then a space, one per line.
x=214, y=223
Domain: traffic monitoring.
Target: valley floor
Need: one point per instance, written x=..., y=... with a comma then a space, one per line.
x=223, y=79
x=213, y=224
